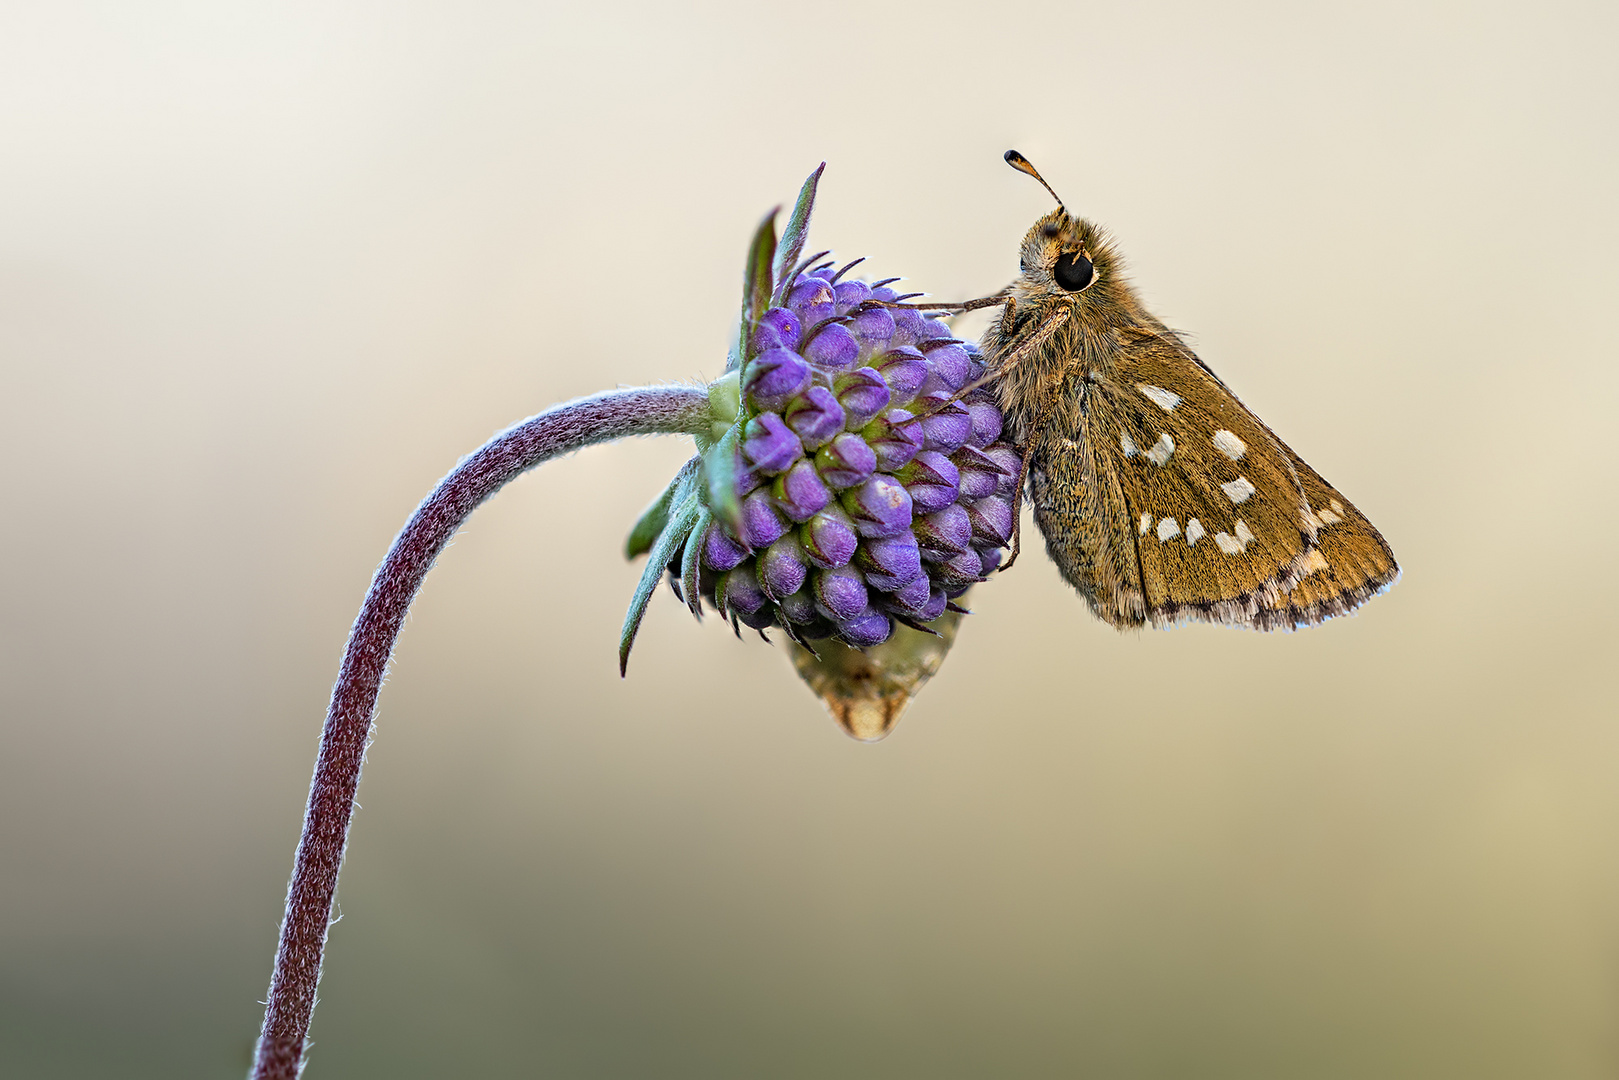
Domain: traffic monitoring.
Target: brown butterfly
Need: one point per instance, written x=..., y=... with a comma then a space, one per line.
x=1161, y=497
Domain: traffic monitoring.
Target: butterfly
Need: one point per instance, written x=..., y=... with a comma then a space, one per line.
x=1161, y=497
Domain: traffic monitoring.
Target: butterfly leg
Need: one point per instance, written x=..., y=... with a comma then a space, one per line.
x=1030, y=448
x=1010, y=362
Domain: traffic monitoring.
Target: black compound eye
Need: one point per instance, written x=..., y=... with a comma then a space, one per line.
x=1073, y=271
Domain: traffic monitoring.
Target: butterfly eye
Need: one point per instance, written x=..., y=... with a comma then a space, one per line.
x=1074, y=271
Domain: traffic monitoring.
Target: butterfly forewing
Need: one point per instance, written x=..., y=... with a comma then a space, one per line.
x=1352, y=562
x=1192, y=509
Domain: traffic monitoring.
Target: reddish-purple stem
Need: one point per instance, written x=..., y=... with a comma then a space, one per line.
x=365, y=660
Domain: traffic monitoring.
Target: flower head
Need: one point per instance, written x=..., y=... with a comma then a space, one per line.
x=850, y=485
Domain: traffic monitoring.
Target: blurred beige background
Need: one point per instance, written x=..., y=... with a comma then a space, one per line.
x=267, y=271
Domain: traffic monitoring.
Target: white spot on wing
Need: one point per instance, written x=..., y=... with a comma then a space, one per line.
x=1194, y=532
x=1164, y=399
x=1327, y=517
x=1129, y=446
x=1243, y=535
x=1229, y=445
x=1167, y=528
x=1159, y=454
x=1146, y=523
x=1238, y=490
x=1227, y=543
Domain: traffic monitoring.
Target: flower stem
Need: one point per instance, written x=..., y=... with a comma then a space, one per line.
x=365, y=660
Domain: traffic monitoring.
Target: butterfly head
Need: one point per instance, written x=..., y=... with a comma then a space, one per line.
x=1062, y=255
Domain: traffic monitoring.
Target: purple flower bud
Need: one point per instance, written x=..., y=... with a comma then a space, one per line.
x=932, y=481
x=768, y=445
x=815, y=416
x=911, y=599
x=980, y=476
x=904, y=370
x=950, y=365
x=948, y=426
x=829, y=538
x=956, y=572
x=890, y=564
x=799, y=608
x=721, y=551
x=907, y=326
x=866, y=629
x=992, y=520
x=921, y=600
x=845, y=461
x=979, y=367
x=782, y=567
x=763, y=619
x=774, y=376
x=777, y=328
x=841, y=592
x=1011, y=467
x=895, y=438
x=863, y=395
x=880, y=507
x=811, y=300
x=738, y=590
x=832, y=348
x=762, y=524
x=944, y=533
x=991, y=558
x=987, y=423
x=746, y=479
x=873, y=328
x=800, y=492
x=850, y=294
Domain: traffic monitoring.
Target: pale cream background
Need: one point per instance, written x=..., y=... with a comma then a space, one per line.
x=266, y=271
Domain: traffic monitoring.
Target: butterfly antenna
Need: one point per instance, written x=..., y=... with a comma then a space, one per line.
x=1023, y=165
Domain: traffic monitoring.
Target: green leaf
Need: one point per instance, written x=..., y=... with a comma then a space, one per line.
x=669, y=540
x=720, y=473
x=792, y=240
x=656, y=516
x=691, y=562
x=756, y=281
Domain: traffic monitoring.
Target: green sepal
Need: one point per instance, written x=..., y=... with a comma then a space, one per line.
x=681, y=519
x=691, y=563
x=720, y=474
x=655, y=517
x=756, y=280
x=792, y=238
x=724, y=406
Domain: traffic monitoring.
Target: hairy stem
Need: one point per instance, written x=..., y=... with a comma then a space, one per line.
x=365, y=660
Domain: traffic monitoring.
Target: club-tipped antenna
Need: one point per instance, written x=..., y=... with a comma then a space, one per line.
x=1022, y=165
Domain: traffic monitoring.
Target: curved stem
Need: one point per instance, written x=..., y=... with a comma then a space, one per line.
x=365, y=660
